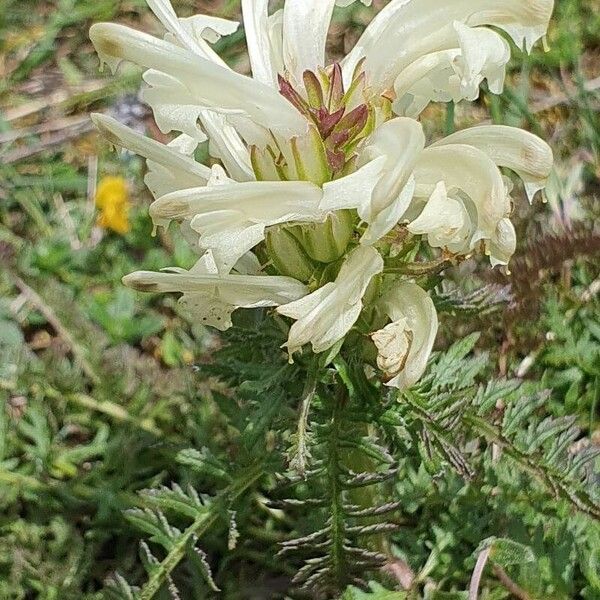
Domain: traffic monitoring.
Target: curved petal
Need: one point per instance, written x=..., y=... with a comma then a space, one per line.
x=173, y=106
x=503, y=243
x=186, y=35
x=408, y=29
x=454, y=74
x=400, y=141
x=211, y=298
x=209, y=28
x=523, y=152
x=468, y=169
x=226, y=145
x=210, y=85
x=445, y=221
x=324, y=317
x=231, y=218
x=405, y=345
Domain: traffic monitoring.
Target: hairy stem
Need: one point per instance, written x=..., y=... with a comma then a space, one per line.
x=338, y=525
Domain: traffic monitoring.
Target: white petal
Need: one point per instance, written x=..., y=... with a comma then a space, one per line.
x=405, y=30
x=344, y=3
x=453, y=74
x=427, y=79
x=212, y=298
x=468, y=169
x=354, y=190
x=410, y=305
x=209, y=28
x=389, y=217
x=445, y=221
x=173, y=106
x=231, y=218
x=208, y=84
x=256, y=24
x=526, y=154
x=226, y=145
x=400, y=141
x=185, y=35
x=503, y=243
x=305, y=27
x=484, y=55
x=327, y=315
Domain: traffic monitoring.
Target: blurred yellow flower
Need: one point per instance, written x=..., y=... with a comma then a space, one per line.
x=112, y=199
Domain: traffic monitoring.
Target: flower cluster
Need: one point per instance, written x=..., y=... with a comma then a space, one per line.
x=323, y=171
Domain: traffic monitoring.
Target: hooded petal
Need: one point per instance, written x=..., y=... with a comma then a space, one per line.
x=468, y=169
x=324, y=317
x=454, y=74
x=400, y=141
x=404, y=346
x=211, y=298
x=208, y=85
x=231, y=218
x=445, y=221
x=526, y=154
x=406, y=30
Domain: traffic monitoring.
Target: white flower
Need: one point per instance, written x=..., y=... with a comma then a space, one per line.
x=210, y=297
x=454, y=74
x=327, y=315
x=406, y=31
x=526, y=154
x=312, y=159
x=445, y=221
x=405, y=344
x=473, y=204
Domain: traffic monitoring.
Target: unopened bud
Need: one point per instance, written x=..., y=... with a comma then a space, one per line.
x=287, y=255
x=326, y=242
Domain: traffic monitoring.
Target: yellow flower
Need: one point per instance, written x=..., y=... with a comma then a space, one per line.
x=112, y=199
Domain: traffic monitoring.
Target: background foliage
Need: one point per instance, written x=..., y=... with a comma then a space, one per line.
x=105, y=393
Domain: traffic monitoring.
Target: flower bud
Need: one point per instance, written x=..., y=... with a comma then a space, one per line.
x=327, y=242
x=287, y=255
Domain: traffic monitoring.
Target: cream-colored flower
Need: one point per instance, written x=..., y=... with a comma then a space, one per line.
x=311, y=159
x=210, y=297
x=445, y=221
x=405, y=344
x=405, y=32
x=324, y=317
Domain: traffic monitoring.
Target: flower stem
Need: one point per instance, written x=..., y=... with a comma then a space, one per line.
x=338, y=525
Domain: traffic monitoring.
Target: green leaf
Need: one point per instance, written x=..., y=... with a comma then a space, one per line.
x=506, y=552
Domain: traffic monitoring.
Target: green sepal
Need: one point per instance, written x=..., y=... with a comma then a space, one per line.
x=287, y=255
x=327, y=242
